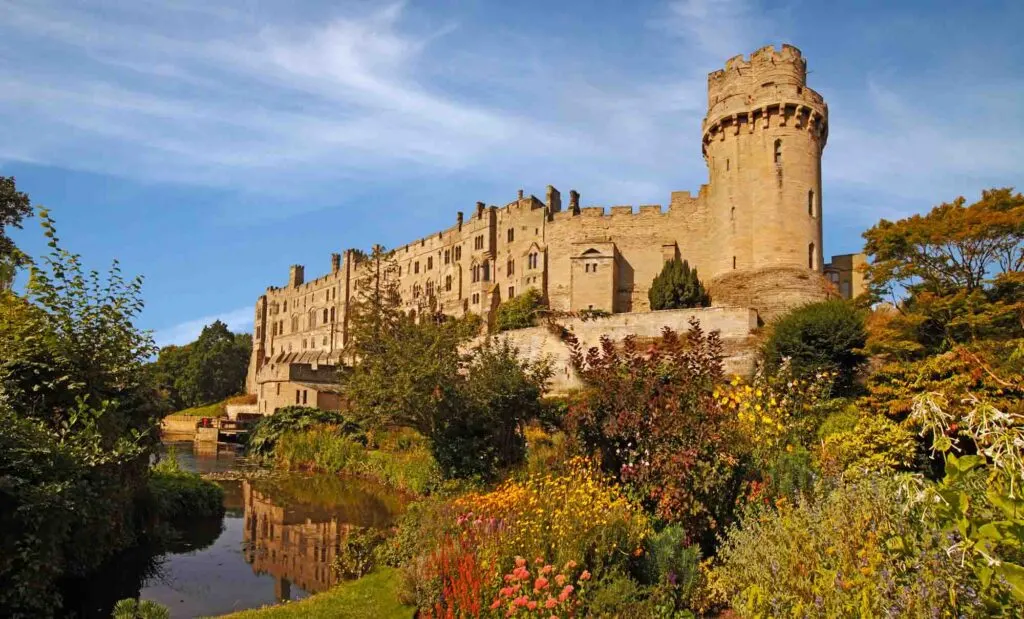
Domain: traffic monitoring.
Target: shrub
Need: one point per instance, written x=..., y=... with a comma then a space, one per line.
x=356, y=555
x=652, y=416
x=677, y=287
x=874, y=444
x=268, y=430
x=140, y=609
x=854, y=551
x=178, y=496
x=479, y=432
x=826, y=336
x=519, y=312
x=673, y=567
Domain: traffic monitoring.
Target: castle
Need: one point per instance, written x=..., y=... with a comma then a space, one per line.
x=754, y=232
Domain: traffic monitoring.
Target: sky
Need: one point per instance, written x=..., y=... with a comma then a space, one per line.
x=209, y=145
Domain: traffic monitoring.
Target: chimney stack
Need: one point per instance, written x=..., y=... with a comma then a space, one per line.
x=574, y=201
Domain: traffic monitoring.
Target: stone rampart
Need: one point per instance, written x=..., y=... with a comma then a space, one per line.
x=734, y=324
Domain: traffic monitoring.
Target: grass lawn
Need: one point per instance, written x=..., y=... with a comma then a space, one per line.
x=370, y=597
x=210, y=410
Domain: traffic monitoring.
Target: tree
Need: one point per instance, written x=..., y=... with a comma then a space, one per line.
x=520, y=312
x=677, y=287
x=953, y=275
x=14, y=207
x=78, y=424
x=216, y=367
x=826, y=336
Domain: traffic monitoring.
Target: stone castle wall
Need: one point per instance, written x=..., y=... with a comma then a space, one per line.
x=753, y=232
x=735, y=325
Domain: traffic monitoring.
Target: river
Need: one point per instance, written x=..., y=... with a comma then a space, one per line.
x=277, y=540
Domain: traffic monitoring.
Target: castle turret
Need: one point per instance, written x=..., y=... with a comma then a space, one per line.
x=764, y=134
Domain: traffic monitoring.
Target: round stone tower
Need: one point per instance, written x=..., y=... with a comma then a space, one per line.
x=763, y=139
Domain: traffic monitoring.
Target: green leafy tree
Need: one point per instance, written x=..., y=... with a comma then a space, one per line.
x=520, y=312
x=78, y=424
x=677, y=287
x=14, y=207
x=217, y=364
x=819, y=337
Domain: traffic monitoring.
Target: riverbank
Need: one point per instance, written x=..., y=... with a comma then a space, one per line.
x=374, y=596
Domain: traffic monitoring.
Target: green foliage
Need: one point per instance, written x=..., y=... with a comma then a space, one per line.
x=207, y=370
x=264, y=435
x=985, y=518
x=178, y=496
x=520, y=312
x=677, y=287
x=855, y=551
x=14, y=207
x=480, y=431
x=327, y=449
x=673, y=566
x=79, y=423
x=139, y=609
x=819, y=337
x=874, y=445
x=356, y=557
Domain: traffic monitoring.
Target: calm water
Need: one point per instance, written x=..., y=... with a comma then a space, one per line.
x=277, y=540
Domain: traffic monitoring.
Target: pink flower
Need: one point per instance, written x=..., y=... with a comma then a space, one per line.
x=560, y=580
x=551, y=603
x=520, y=562
x=506, y=591
x=566, y=592
x=540, y=583
x=496, y=604
x=520, y=601
x=570, y=565
x=538, y=561
x=585, y=575
x=547, y=569
x=531, y=605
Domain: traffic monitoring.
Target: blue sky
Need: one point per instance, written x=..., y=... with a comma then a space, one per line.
x=210, y=145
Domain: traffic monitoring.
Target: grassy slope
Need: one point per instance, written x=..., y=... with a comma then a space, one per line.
x=210, y=410
x=370, y=597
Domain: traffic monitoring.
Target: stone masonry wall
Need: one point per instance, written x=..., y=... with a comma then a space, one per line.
x=735, y=325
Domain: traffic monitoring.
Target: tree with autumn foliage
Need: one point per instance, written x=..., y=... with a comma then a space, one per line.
x=959, y=270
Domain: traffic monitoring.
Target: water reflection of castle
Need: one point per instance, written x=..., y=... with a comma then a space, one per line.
x=294, y=545
x=297, y=543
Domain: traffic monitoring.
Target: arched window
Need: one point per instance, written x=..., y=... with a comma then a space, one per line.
x=810, y=204
x=810, y=256
x=486, y=275
x=778, y=152
x=448, y=283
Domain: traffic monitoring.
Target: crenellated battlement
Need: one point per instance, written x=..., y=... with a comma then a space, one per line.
x=796, y=114
x=768, y=74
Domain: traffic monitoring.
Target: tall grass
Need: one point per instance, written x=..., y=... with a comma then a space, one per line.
x=406, y=465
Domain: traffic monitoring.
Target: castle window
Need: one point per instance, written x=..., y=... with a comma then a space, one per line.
x=325, y=314
x=475, y=273
x=304, y=394
x=430, y=263
x=810, y=204
x=430, y=288
x=511, y=267
x=399, y=271
x=278, y=388
x=726, y=165
x=476, y=298
x=778, y=152
x=416, y=267
x=511, y=234
x=458, y=253
x=303, y=344
x=298, y=400
x=286, y=306
x=486, y=275
x=810, y=256
x=447, y=256
x=325, y=340
x=536, y=231
x=332, y=314
x=448, y=283
x=734, y=263
x=511, y=291
x=732, y=214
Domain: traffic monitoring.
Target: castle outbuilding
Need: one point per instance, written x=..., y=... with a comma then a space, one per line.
x=754, y=233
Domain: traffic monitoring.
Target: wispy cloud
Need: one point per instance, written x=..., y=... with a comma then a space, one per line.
x=238, y=321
